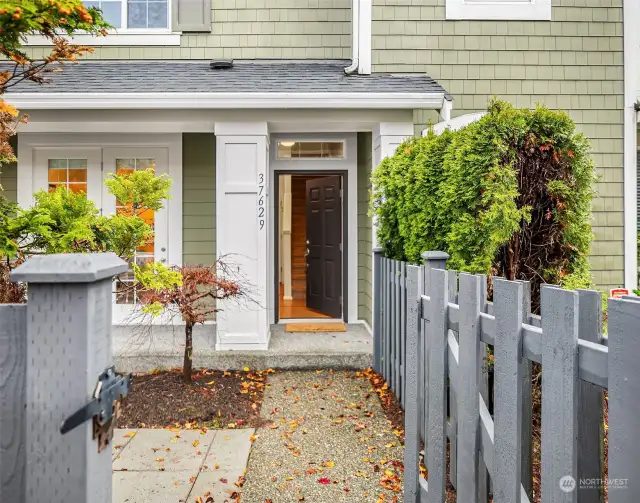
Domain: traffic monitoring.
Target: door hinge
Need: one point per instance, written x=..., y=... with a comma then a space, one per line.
x=101, y=165
x=340, y=246
x=340, y=193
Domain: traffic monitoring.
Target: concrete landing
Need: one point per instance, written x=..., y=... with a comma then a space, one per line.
x=138, y=350
x=165, y=466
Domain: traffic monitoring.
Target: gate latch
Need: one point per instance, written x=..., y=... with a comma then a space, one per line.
x=105, y=405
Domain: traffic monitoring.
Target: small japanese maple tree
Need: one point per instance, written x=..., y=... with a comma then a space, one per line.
x=192, y=296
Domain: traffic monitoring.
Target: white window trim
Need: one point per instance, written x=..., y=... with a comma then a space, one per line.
x=499, y=10
x=122, y=36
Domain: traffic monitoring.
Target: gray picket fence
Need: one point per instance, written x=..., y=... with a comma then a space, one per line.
x=432, y=328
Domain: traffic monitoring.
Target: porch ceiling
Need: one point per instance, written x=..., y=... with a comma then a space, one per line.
x=256, y=84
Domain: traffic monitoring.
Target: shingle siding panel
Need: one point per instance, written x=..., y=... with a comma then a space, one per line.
x=199, y=195
x=271, y=29
x=573, y=62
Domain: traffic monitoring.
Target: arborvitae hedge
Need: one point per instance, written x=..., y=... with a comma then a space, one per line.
x=508, y=195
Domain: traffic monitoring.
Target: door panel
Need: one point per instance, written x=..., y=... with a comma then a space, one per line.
x=324, y=236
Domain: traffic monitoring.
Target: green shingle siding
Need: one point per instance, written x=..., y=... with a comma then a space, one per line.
x=364, y=228
x=199, y=198
x=9, y=175
x=257, y=29
x=574, y=62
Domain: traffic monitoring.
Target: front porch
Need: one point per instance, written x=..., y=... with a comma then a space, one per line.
x=222, y=138
x=140, y=351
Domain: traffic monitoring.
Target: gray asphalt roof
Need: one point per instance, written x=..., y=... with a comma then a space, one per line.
x=245, y=76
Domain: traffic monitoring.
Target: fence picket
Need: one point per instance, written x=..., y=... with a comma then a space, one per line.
x=590, y=402
x=412, y=402
x=559, y=309
x=403, y=333
x=387, y=314
x=527, y=403
x=437, y=328
x=452, y=295
x=507, y=305
x=396, y=324
x=483, y=388
x=469, y=404
x=624, y=390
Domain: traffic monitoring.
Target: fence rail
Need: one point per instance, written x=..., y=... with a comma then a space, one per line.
x=432, y=328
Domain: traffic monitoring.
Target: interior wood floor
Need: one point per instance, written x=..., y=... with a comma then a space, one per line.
x=297, y=308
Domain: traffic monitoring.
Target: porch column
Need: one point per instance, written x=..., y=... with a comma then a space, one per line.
x=386, y=138
x=242, y=206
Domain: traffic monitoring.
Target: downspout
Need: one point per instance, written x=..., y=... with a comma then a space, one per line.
x=355, y=38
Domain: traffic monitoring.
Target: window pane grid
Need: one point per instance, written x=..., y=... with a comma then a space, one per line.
x=126, y=293
x=133, y=14
x=68, y=173
x=310, y=150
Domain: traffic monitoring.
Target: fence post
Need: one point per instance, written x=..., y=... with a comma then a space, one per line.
x=624, y=408
x=68, y=346
x=377, y=310
x=590, y=403
x=13, y=358
x=559, y=310
x=412, y=426
x=432, y=260
x=438, y=373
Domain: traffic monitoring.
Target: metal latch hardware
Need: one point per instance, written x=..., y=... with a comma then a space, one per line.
x=105, y=405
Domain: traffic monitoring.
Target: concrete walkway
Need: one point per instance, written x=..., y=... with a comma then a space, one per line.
x=138, y=349
x=328, y=440
x=166, y=466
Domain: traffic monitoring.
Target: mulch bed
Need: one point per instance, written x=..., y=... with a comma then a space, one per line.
x=214, y=399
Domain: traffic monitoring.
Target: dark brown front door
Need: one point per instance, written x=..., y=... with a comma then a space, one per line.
x=324, y=236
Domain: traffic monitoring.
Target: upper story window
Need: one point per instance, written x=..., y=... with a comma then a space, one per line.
x=499, y=10
x=134, y=14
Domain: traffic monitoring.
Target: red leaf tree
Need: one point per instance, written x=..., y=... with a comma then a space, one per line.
x=196, y=300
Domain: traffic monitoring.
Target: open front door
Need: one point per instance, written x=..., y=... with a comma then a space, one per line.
x=324, y=238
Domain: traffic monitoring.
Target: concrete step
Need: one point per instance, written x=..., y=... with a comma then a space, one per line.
x=163, y=349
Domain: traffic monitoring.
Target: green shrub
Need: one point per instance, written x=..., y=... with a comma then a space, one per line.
x=507, y=195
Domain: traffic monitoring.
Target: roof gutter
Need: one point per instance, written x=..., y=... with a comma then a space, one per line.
x=355, y=38
x=193, y=101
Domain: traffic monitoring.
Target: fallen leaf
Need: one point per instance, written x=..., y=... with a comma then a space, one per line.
x=192, y=480
x=224, y=481
x=324, y=481
x=246, y=369
x=199, y=500
x=196, y=443
x=210, y=383
x=159, y=460
x=130, y=434
x=253, y=438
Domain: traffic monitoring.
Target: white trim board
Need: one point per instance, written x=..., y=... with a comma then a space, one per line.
x=195, y=100
x=499, y=10
x=123, y=38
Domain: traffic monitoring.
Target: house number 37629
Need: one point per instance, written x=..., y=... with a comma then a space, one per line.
x=261, y=196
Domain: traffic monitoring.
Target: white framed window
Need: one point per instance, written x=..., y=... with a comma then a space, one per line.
x=134, y=14
x=303, y=149
x=521, y=10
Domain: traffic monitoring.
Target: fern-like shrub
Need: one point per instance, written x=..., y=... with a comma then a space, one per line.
x=508, y=195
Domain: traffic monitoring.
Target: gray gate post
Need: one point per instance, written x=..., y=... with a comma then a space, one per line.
x=68, y=346
x=377, y=310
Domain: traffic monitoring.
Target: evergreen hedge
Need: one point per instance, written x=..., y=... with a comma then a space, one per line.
x=508, y=195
